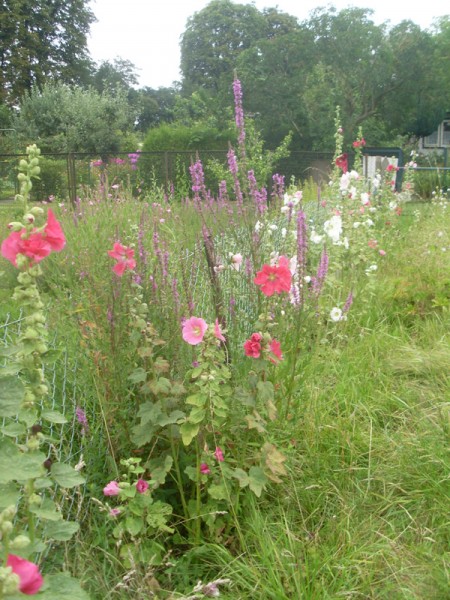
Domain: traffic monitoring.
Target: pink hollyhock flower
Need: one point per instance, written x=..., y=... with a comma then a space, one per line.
x=359, y=143
x=274, y=279
x=124, y=257
x=382, y=252
x=252, y=346
x=141, y=486
x=236, y=261
x=342, y=162
x=34, y=247
x=204, y=469
x=53, y=232
x=30, y=578
x=217, y=332
x=218, y=453
x=194, y=330
x=114, y=512
x=112, y=489
x=275, y=349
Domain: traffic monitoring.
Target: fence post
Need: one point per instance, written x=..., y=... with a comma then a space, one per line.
x=71, y=178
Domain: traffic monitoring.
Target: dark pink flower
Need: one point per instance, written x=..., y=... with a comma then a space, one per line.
x=342, y=162
x=252, y=346
x=141, y=486
x=194, y=330
x=204, y=469
x=34, y=247
x=124, y=257
x=275, y=349
x=31, y=580
x=112, y=489
x=218, y=453
x=274, y=279
x=53, y=232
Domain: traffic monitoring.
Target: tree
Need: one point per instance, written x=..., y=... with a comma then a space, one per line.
x=213, y=39
x=39, y=40
x=120, y=73
x=62, y=118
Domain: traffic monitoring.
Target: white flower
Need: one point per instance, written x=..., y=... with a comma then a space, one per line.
x=346, y=244
x=392, y=205
x=315, y=237
x=258, y=226
x=283, y=232
x=365, y=199
x=371, y=269
x=352, y=192
x=356, y=224
x=336, y=314
x=273, y=227
x=307, y=278
x=333, y=228
x=369, y=223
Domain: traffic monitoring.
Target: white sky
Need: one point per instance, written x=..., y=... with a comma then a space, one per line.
x=147, y=32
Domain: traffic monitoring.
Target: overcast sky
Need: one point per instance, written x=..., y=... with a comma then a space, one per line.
x=147, y=32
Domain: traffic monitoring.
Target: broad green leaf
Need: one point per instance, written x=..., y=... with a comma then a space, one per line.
x=196, y=400
x=188, y=432
x=196, y=372
x=150, y=412
x=66, y=476
x=53, y=416
x=28, y=416
x=133, y=525
x=218, y=492
x=46, y=510
x=139, y=375
x=14, y=429
x=61, y=531
x=242, y=477
x=18, y=466
x=174, y=417
x=257, y=480
x=157, y=516
x=159, y=467
x=9, y=495
x=192, y=473
x=62, y=585
x=143, y=434
x=42, y=483
x=266, y=391
x=197, y=415
x=12, y=392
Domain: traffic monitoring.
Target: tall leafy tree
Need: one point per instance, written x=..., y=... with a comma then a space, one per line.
x=39, y=40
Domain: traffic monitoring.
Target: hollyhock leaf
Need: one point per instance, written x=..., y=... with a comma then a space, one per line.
x=139, y=375
x=174, y=417
x=257, y=480
x=61, y=531
x=66, y=476
x=242, y=477
x=150, y=412
x=46, y=510
x=62, y=585
x=12, y=392
x=218, y=491
x=196, y=400
x=143, y=434
x=274, y=460
x=266, y=391
x=53, y=416
x=159, y=468
x=9, y=495
x=188, y=432
x=13, y=429
x=157, y=518
x=255, y=421
x=17, y=466
x=28, y=416
x=197, y=415
x=133, y=526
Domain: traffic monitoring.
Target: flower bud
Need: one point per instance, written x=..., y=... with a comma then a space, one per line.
x=34, y=162
x=35, y=499
x=35, y=171
x=23, y=164
x=29, y=218
x=37, y=210
x=6, y=527
x=21, y=177
x=10, y=582
x=15, y=226
x=19, y=542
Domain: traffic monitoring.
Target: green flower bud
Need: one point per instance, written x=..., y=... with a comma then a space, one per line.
x=37, y=210
x=23, y=164
x=11, y=582
x=35, y=171
x=33, y=444
x=8, y=513
x=29, y=218
x=6, y=527
x=19, y=542
x=34, y=162
x=22, y=177
x=15, y=226
x=35, y=499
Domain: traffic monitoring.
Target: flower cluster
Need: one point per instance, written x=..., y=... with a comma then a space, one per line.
x=258, y=344
x=35, y=245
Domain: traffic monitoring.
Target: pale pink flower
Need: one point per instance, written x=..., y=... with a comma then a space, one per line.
x=53, y=232
x=236, y=261
x=218, y=453
x=194, y=330
x=114, y=512
x=112, y=489
x=30, y=579
x=217, y=331
x=382, y=252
